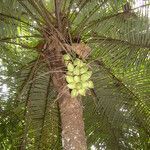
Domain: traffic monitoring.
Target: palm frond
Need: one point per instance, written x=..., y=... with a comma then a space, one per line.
x=112, y=111
x=41, y=113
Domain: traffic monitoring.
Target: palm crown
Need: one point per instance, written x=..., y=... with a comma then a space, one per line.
x=116, y=112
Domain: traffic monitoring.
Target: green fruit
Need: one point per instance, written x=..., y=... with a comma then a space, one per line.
x=69, y=79
x=71, y=86
x=85, y=85
x=76, y=71
x=82, y=92
x=77, y=79
x=67, y=62
x=66, y=57
x=74, y=93
x=90, y=85
x=69, y=73
x=86, y=76
x=70, y=67
x=78, y=85
x=78, y=62
x=83, y=69
x=83, y=65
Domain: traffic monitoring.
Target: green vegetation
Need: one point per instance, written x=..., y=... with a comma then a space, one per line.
x=112, y=83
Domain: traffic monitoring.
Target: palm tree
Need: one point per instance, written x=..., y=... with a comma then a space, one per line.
x=37, y=109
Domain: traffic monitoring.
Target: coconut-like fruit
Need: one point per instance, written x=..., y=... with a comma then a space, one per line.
x=90, y=84
x=78, y=62
x=86, y=76
x=81, y=64
x=77, y=78
x=69, y=73
x=66, y=57
x=82, y=92
x=76, y=70
x=85, y=85
x=78, y=85
x=69, y=79
x=67, y=62
x=84, y=69
x=71, y=85
x=74, y=93
x=70, y=67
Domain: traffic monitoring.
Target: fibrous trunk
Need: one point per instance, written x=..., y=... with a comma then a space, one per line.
x=73, y=134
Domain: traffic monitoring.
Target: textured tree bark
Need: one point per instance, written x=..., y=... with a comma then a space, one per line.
x=73, y=134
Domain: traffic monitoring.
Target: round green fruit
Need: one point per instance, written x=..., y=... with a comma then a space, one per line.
x=67, y=62
x=86, y=76
x=69, y=73
x=67, y=57
x=70, y=67
x=77, y=78
x=84, y=69
x=78, y=62
x=69, y=79
x=85, y=85
x=74, y=93
x=82, y=92
x=76, y=70
x=78, y=85
x=71, y=86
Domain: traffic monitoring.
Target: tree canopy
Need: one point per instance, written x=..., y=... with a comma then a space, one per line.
x=116, y=111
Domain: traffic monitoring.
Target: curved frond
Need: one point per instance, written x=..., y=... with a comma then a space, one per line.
x=42, y=125
x=113, y=113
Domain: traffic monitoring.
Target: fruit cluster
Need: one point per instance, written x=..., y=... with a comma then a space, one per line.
x=77, y=76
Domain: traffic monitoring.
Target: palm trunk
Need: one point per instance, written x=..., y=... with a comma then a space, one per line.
x=73, y=134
